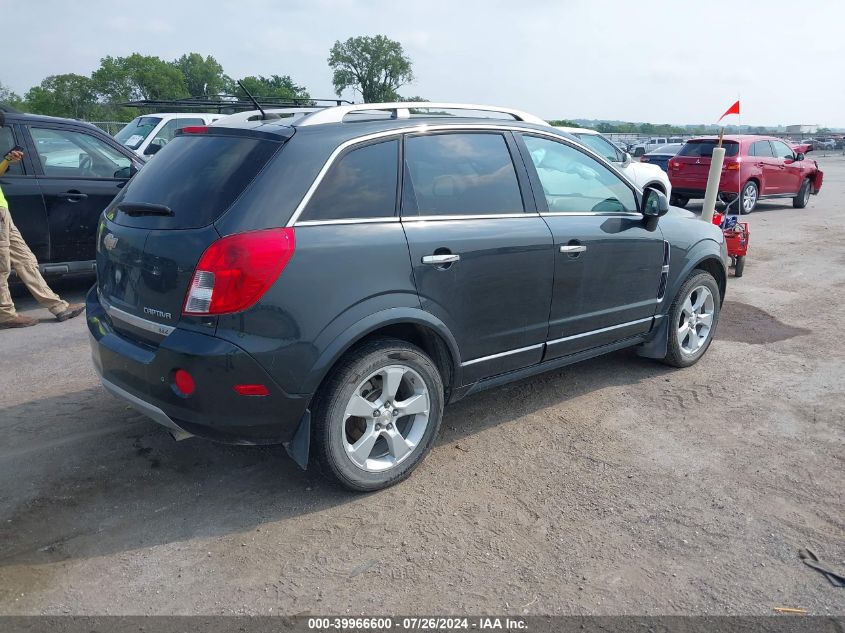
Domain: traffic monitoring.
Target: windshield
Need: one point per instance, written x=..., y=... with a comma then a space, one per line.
x=600, y=146
x=704, y=148
x=134, y=132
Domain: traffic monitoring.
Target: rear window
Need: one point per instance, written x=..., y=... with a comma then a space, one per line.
x=198, y=177
x=704, y=149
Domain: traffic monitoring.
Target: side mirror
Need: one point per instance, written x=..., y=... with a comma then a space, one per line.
x=152, y=148
x=800, y=156
x=125, y=173
x=626, y=159
x=655, y=203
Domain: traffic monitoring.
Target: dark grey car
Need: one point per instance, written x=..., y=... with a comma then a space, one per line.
x=333, y=283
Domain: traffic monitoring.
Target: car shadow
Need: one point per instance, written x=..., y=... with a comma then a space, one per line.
x=83, y=475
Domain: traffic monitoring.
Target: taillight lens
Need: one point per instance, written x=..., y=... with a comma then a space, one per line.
x=235, y=271
x=644, y=159
x=195, y=129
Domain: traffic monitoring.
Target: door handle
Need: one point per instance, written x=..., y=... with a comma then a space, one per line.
x=573, y=248
x=74, y=196
x=439, y=260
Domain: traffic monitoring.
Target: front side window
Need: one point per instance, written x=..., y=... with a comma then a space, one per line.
x=70, y=154
x=361, y=184
x=782, y=150
x=7, y=142
x=574, y=182
x=761, y=148
x=460, y=174
x=600, y=146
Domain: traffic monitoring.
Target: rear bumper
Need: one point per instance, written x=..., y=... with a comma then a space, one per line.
x=142, y=375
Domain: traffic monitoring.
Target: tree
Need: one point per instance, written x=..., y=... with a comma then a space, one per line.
x=138, y=77
x=374, y=66
x=68, y=95
x=203, y=77
x=9, y=97
x=281, y=87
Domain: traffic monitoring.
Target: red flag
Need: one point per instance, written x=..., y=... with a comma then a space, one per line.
x=734, y=109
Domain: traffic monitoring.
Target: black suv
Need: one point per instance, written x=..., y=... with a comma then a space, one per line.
x=331, y=284
x=70, y=172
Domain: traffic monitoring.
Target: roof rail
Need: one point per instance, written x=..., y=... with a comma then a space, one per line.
x=230, y=103
x=401, y=110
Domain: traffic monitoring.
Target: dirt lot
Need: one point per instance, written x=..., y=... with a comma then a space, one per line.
x=615, y=486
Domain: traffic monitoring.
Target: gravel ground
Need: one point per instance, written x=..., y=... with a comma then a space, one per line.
x=615, y=486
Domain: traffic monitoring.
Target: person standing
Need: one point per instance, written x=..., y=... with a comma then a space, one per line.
x=14, y=253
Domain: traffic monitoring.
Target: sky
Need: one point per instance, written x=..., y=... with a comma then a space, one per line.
x=652, y=61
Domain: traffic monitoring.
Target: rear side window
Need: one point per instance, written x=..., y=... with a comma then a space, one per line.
x=198, y=177
x=459, y=174
x=761, y=148
x=704, y=149
x=361, y=184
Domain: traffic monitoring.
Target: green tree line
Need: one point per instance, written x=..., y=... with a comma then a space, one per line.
x=134, y=77
x=372, y=67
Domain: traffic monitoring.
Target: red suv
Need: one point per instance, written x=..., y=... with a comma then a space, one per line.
x=756, y=168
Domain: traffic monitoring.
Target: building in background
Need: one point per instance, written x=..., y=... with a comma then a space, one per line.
x=802, y=129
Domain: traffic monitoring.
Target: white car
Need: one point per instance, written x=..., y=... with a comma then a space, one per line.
x=641, y=174
x=270, y=113
x=148, y=133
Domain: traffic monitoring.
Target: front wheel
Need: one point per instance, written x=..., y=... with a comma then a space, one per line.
x=800, y=201
x=692, y=319
x=378, y=414
x=748, y=197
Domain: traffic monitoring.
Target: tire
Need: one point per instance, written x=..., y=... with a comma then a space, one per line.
x=678, y=201
x=740, y=266
x=389, y=445
x=800, y=201
x=682, y=350
x=748, y=198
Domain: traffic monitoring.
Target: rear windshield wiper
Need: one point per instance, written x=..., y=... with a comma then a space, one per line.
x=144, y=208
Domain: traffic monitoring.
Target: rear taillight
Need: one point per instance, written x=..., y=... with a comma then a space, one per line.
x=235, y=271
x=731, y=165
x=194, y=129
x=644, y=159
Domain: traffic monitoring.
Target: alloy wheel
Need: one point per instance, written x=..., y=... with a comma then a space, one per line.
x=386, y=418
x=749, y=197
x=696, y=319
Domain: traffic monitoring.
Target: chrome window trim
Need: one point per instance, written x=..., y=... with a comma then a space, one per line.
x=423, y=128
x=348, y=221
x=599, y=331
x=136, y=321
x=501, y=354
x=622, y=214
x=469, y=216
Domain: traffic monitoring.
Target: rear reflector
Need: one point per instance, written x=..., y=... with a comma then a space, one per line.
x=184, y=382
x=235, y=271
x=252, y=390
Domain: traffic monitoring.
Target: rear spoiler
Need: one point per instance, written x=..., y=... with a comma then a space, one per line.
x=280, y=133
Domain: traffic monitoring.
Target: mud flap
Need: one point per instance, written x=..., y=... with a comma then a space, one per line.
x=300, y=445
x=657, y=345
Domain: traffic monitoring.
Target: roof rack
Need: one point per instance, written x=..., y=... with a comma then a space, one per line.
x=230, y=103
x=402, y=110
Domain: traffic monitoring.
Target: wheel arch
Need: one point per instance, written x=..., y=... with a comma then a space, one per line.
x=407, y=324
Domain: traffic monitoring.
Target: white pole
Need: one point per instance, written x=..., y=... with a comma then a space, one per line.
x=713, y=179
